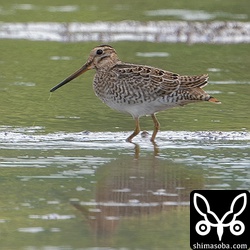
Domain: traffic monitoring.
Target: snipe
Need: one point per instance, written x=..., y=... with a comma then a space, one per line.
x=137, y=89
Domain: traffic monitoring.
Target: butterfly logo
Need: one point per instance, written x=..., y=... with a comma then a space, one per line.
x=203, y=227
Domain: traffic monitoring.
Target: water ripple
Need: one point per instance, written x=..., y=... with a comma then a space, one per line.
x=29, y=138
x=152, y=31
x=24, y=138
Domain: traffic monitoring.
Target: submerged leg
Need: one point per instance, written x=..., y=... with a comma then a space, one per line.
x=136, y=131
x=156, y=127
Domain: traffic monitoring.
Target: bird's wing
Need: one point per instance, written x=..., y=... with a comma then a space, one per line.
x=149, y=79
x=159, y=81
x=190, y=82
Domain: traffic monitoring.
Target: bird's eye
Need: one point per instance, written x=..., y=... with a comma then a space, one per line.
x=99, y=51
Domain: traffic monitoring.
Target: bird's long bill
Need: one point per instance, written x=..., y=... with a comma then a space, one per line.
x=80, y=71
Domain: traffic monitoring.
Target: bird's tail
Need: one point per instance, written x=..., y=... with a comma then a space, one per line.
x=214, y=100
x=201, y=95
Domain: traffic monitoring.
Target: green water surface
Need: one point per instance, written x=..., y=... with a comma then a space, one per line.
x=28, y=72
x=54, y=182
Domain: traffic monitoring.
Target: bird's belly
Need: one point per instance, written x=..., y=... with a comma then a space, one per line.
x=135, y=102
x=140, y=109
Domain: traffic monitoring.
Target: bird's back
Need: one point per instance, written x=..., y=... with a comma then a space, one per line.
x=135, y=84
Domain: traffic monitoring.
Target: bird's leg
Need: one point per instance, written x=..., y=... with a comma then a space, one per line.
x=136, y=131
x=156, y=127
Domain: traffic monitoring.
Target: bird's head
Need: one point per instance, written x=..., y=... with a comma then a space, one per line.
x=101, y=57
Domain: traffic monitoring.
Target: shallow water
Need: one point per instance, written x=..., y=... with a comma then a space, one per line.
x=85, y=190
x=68, y=179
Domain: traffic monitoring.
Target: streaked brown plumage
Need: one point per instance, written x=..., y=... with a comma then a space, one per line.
x=137, y=89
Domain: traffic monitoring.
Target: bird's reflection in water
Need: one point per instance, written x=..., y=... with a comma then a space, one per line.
x=128, y=188
x=137, y=148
